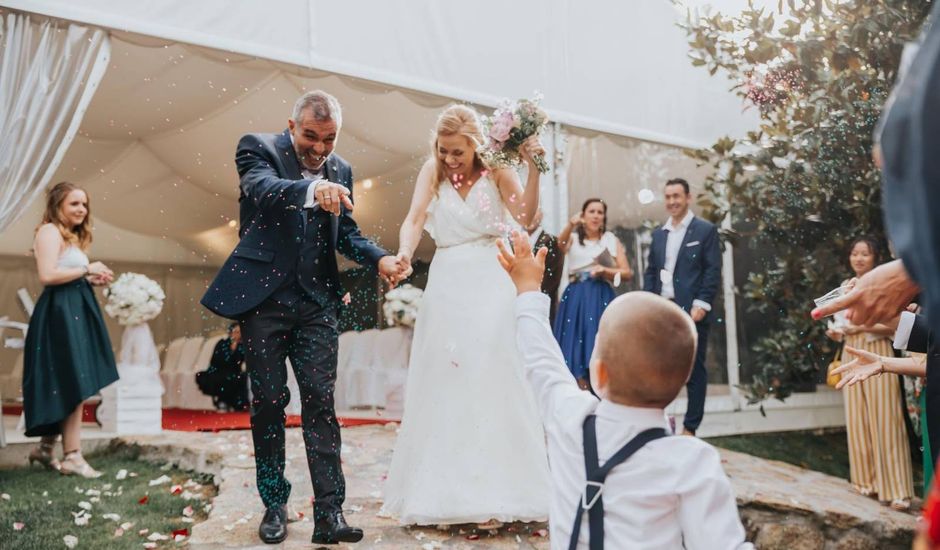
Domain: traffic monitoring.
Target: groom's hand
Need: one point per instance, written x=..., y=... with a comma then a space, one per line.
x=332, y=197
x=525, y=269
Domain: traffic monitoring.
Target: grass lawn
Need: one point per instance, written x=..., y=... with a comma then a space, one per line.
x=46, y=504
x=823, y=451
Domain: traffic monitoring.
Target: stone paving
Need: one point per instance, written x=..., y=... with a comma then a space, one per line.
x=782, y=506
x=237, y=510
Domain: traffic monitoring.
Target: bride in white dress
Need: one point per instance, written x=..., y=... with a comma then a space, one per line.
x=471, y=447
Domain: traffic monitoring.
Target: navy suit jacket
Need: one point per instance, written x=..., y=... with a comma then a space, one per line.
x=910, y=142
x=273, y=225
x=921, y=340
x=698, y=267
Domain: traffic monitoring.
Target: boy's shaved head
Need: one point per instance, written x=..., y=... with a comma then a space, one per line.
x=647, y=346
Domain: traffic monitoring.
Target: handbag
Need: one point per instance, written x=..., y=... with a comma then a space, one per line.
x=833, y=379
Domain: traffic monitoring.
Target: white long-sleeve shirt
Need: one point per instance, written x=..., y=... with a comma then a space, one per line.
x=671, y=492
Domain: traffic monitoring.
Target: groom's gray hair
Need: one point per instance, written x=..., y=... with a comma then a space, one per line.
x=324, y=106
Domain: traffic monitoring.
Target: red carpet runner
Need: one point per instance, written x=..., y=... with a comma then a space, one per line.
x=186, y=420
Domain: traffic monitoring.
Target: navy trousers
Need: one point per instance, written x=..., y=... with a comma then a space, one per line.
x=698, y=382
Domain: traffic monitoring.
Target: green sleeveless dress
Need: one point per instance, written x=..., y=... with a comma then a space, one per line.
x=68, y=356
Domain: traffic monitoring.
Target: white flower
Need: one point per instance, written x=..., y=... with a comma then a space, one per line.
x=401, y=305
x=159, y=481
x=133, y=299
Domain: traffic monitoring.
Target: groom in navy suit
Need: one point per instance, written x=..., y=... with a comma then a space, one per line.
x=684, y=265
x=281, y=283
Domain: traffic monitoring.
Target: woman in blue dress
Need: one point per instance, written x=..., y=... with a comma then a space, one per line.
x=68, y=356
x=597, y=262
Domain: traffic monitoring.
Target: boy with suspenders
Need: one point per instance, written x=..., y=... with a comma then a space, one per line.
x=618, y=476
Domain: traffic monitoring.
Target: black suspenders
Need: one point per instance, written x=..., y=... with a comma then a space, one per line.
x=591, y=500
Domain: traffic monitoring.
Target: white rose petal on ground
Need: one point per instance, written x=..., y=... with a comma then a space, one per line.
x=70, y=541
x=160, y=481
x=122, y=474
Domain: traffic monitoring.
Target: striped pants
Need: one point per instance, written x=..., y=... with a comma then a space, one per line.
x=879, y=453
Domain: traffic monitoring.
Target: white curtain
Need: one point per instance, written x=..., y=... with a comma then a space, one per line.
x=49, y=72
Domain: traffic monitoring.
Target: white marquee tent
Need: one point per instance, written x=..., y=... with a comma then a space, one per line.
x=183, y=81
x=142, y=103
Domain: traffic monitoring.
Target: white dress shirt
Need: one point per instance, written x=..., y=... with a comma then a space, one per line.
x=674, y=237
x=672, y=492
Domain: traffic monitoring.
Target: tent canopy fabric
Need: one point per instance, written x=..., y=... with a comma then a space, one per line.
x=156, y=147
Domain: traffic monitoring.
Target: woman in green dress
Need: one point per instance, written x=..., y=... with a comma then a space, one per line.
x=68, y=356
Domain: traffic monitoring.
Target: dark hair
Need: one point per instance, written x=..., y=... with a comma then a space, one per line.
x=79, y=235
x=872, y=246
x=678, y=181
x=584, y=207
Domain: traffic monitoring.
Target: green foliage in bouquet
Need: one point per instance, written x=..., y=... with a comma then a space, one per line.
x=508, y=128
x=803, y=184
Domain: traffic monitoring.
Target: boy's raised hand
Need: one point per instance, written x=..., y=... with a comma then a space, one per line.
x=523, y=267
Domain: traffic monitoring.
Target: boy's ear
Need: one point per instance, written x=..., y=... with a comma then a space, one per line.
x=602, y=377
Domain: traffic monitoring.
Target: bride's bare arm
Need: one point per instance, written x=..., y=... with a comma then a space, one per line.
x=522, y=203
x=410, y=233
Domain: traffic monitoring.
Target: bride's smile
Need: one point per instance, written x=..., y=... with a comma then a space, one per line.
x=456, y=154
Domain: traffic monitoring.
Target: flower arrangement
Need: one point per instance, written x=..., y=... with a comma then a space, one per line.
x=511, y=124
x=134, y=299
x=401, y=305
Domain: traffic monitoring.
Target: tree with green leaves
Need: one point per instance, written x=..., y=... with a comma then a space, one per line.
x=803, y=184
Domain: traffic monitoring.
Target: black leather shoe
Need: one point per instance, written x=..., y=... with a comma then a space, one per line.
x=333, y=529
x=273, y=528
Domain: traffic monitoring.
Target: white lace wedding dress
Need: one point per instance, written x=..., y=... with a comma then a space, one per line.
x=471, y=446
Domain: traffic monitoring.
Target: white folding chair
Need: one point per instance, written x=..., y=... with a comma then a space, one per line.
x=26, y=300
x=347, y=341
x=189, y=395
x=391, y=353
x=174, y=375
x=365, y=386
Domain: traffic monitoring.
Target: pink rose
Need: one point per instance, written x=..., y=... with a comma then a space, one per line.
x=501, y=127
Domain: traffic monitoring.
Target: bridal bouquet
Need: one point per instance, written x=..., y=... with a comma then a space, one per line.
x=134, y=299
x=401, y=305
x=511, y=124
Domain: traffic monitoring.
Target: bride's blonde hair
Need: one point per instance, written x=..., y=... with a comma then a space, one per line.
x=457, y=120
